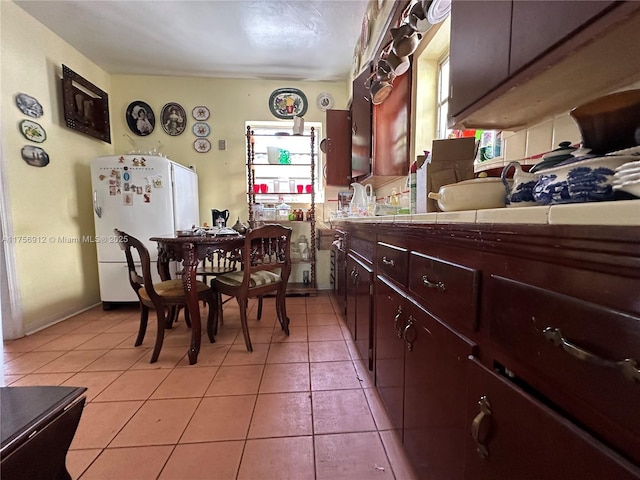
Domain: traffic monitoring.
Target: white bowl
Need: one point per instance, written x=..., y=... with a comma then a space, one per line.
x=475, y=194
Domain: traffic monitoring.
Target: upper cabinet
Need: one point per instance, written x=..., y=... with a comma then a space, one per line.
x=361, y=126
x=391, y=121
x=515, y=63
x=337, y=148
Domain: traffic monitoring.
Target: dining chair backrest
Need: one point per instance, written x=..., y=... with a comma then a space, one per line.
x=266, y=249
x=129, y=243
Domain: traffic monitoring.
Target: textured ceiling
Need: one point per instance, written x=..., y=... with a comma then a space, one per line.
x=296, y=40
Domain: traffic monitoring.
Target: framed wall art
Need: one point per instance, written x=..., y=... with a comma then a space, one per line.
x=286, y=103
x=140, y=118
x=86, y=107
x=174, y=119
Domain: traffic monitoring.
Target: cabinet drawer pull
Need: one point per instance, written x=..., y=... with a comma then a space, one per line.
x=396, y=322
x=429, y=284
x=480, y=427
x=385, y=261
x=408, y=330
x=628, y=367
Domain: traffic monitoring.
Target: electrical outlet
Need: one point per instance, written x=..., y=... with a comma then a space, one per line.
x=222, y=144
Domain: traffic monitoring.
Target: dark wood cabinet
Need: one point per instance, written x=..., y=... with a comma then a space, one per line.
x=359, y=307
x=506, y=55
x=435, y=383
x=479, y=50
x=338, y=148
x=552, y=21
x=361, y=126
x=391, y=125
x=389, y=350
x=506, y=352
x=514, y=436
x=339, y=272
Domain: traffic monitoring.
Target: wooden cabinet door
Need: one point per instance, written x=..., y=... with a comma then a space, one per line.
x=338, y=148
x=341, y=280
x=352, y=294
x=479, y=50
x=538, y=26
x=364, y=323
x=389, y=350
x=514, y=436
x=391, y=123
x=435, y=386
x=361, y=126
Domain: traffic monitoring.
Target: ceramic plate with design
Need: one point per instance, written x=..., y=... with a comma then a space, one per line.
x=202, y=145
x=29, y=105
x=200, y=113
x=201, y=129
x=286, y=103
x=325, y=101
x=33, y=131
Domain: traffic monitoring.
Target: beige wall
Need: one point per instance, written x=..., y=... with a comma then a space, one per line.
x=58, y=279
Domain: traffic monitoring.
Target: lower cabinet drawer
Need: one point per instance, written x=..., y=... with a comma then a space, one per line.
x=392, y=262
x=446, y=289
x=585, y=351
x=513, y=436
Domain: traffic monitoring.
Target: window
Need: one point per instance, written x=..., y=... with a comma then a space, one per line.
x=443, y=99
x=280, y=178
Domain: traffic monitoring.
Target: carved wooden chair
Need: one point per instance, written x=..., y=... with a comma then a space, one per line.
x=216, y=263
x=266, y=266
x=166, y=296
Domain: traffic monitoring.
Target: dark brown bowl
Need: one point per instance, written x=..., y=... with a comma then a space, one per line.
x=610, y=123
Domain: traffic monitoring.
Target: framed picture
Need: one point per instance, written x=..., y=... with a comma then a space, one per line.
x=140, y=118
x=34, y=156
x=86, y=107
x=174, y=119
x=287, y=103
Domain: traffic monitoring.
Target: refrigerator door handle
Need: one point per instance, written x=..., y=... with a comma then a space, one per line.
x=96, y=208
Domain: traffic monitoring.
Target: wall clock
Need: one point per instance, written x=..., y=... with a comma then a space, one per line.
x=287, y=103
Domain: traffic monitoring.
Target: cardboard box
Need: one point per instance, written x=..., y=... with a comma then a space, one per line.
x=451, y=162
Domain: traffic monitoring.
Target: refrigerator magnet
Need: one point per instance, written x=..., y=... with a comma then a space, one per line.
x=127, y=199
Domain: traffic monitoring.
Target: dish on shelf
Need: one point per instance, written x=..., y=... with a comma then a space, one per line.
x=578, y=180
x=632, y=187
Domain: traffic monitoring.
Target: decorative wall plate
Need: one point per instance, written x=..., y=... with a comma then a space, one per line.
x=324, y=101
x=200, y=113
x=140, y=118
x=33, y=131
x=29, y=105
x=287, y=103
x=202, y=145
x=35, y=156
x=174, y=119
x=201, y=129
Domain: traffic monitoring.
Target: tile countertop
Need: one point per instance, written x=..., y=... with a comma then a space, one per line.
x=621, y=213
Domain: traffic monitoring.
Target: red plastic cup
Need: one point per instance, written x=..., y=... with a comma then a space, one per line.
x=264, y=188
x=307, y=188
x=300, y=188
x=256, y=188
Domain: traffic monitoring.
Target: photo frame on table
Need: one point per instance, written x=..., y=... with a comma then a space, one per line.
x=86, y=107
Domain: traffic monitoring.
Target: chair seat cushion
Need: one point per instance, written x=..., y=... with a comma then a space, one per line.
x=258, y=279
x=172, y=289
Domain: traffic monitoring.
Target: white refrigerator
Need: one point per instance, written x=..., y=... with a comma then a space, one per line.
x=144, y=196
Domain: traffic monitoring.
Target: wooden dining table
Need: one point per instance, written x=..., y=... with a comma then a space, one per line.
x=191, y=250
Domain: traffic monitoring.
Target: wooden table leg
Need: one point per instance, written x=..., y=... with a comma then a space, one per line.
x=190, y=264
